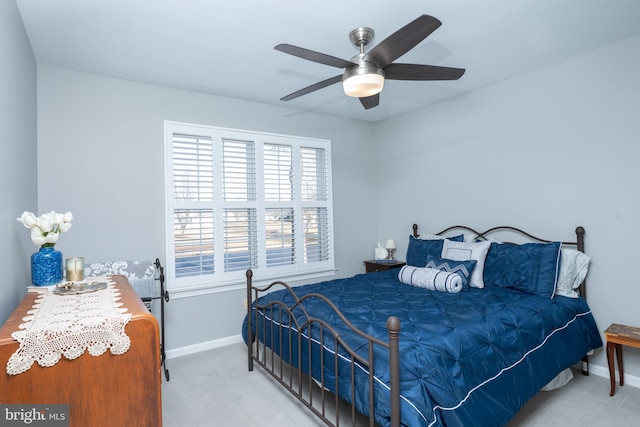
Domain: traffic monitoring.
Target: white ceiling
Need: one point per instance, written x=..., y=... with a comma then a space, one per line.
x=226, y=48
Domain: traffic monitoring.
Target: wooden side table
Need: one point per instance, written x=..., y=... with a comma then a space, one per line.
x=617, y=336
x=382, y=265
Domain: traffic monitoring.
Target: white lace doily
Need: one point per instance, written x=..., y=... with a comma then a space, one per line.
x=68, y=325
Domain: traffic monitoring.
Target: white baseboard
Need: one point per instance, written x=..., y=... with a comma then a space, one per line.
x=203, y=346
x=602, y=371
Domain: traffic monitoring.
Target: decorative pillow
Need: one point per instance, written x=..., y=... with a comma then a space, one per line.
x=529, y=267
x=418, y=249
x=573, y=269
x=430, y=278
x=465, y=251
x=462, y=268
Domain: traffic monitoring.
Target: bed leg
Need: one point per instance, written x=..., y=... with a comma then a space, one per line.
x=250, y=338
x=585, y=365
x=393, y=326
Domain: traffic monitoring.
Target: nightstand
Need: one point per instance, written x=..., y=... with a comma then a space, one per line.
x=382, y=265
x=617, y=336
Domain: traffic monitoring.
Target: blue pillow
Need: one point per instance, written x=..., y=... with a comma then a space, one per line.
x=530, y=267
x=462, y=268
x=418, y=249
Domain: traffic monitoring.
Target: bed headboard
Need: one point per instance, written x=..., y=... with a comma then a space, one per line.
x=517, y=233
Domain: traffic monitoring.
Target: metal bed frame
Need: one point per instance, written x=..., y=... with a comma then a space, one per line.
x=163, y=297
x=301, y=385
x=148, y=296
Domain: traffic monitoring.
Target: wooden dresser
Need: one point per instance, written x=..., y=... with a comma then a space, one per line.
x=107, y=390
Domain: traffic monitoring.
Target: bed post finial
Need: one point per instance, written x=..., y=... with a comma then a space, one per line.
x=393, y=326
x=415, y=231
x=580, y=235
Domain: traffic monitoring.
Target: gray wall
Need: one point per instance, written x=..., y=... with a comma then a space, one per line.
x=18, y=168
x=547, y=151
x=100, y=149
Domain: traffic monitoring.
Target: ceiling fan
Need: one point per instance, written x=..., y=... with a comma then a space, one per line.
x=365, y=73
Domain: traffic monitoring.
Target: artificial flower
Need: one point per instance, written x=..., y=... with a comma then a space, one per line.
x=46, y=228
x=36, y=237
x=28, y=219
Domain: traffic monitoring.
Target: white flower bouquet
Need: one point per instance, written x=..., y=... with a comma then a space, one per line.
x=46, y=228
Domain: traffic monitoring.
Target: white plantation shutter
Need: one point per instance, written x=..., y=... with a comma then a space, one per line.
x=192, y=168
x=238, y=200
x=193, y=242
x=239, y=223
x=314, y=174
x=239, y=170
x=279, y=195
x=280, y=237
x=316, y=234
x=315, y=189
x=192, y=190
x=240, y=241
x=278, y=173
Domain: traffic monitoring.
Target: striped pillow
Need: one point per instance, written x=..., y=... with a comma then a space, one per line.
x=463, y=268
x=430, y=278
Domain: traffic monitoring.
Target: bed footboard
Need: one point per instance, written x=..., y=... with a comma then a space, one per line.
x=298, y=361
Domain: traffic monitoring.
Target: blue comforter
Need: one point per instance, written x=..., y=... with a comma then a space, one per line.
x=469, y=358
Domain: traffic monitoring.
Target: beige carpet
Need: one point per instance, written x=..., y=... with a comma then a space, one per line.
x=214, y=388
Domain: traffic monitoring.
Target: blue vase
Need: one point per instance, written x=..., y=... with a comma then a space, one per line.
x=46, y=267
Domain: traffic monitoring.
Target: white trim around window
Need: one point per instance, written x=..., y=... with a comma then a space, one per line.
x=237, y=199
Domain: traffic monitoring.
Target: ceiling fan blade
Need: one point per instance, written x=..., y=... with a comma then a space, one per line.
x=312, y=88
x=370, y=101
x=421, y=72
x=311, y=55
x=402, y=41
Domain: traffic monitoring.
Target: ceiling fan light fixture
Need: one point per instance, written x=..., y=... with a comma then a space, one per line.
x=364, y=74
x=363, y=81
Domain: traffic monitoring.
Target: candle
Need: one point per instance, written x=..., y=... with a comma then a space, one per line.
x=75, y=269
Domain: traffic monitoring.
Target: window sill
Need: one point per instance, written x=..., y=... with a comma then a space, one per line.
x=194, y=291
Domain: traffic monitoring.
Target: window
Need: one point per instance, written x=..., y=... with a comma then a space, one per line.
x=238, y=199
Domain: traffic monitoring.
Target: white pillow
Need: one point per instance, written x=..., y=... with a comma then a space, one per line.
x=464, y=251
x=573, y=269
x=439, y=237
x=431, y=237
x=431, y=278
